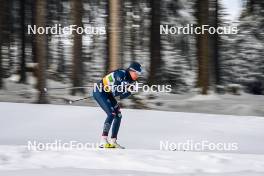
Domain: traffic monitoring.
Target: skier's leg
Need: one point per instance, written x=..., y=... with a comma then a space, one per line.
x=117, y=117
x=116, y=123
x=115, y=128
x=110, y=106
x=105, y=103
x=107, y=124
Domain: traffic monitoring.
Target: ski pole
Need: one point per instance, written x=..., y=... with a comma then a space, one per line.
x=73, y=101
x=46, y=89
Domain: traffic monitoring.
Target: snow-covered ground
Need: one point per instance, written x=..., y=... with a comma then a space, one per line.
x=141, y=132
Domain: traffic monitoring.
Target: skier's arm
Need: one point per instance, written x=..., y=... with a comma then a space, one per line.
x=119, y=77
x=129, y=88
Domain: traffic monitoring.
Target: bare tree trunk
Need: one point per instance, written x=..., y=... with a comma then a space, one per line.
x=107, y=58
x=77, y=70
x=40, y=42
x=1, y=69
x=216, y=46
x=10, y=37
x=202, y=47
x=33, y=38
x=214, y=67
x=155, y=44
x=22, y=70
x=113, y=34
x=2, y=2
x=123, y=33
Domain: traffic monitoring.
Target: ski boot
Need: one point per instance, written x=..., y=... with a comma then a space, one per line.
x=115, y=144
x=104, y=143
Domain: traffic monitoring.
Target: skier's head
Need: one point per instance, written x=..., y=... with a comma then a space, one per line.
x=134, y=70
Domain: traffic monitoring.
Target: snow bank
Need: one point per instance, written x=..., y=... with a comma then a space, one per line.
x=141, y=132
x=133, y=162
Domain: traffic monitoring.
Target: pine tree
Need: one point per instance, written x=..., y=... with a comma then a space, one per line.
x=77, y=70
x=202, y=47
x=214, y=45
x=178, y=51
x=40, y=42
x=1, y=41
x=113, y=34
x=155, y=42
x=22, y=71
x=243, y=58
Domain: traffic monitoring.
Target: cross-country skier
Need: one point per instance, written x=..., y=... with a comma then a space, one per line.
x=106, y=99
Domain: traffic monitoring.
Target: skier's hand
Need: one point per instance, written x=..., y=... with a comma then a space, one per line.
x=131, y=87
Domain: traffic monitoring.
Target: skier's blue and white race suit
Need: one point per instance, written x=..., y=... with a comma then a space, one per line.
x=105, y=97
